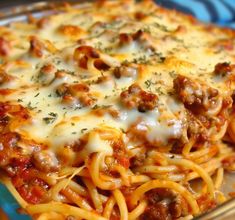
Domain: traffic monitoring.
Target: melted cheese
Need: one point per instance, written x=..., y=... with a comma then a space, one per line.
x=96, y=144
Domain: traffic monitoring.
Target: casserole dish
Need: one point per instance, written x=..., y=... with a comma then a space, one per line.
x=103, y=63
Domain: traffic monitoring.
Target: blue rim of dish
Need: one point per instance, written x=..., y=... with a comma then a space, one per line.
x=10, y=205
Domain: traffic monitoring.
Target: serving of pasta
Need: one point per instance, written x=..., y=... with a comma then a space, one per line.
x=116, y=110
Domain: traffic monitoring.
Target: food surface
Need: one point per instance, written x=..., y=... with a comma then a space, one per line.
x=116, y=110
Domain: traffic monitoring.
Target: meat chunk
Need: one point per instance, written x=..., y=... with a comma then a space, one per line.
x=120, y=154
x=125, y=38
x=138, y=160
x=203, y=103
x=143, y=38
x=18, y=111
x=83, y=53
x=36, y=47
x=87, y=51
x=89, y=57
x=164, y=204
x=47, y=73
x=43, y=22
x=48, y=69
x=45, y=161
x=11, y=156
x=206, y=203
x=75, y=94
x=192, y=92
x=156, y=212
x=197, y=128
x=5, y=47
x=224, y=69
x=101, y=65
x=157, y=195
x=135, y=97
x=140, y=15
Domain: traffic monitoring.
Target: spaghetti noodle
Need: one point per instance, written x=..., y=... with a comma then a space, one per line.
x=116, y=110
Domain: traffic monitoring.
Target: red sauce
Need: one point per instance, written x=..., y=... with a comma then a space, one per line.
x=31, y=188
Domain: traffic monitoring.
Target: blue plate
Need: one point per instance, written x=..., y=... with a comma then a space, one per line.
x=9, y=205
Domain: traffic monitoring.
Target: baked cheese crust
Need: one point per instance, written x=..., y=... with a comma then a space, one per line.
x=113, y=77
